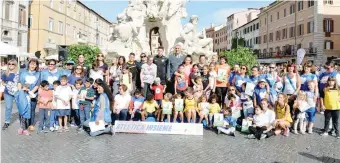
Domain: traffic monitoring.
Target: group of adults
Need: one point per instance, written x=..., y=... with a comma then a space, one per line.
x=282, y=78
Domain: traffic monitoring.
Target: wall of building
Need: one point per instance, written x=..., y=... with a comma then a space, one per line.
x=73, y=23
x=12, y=25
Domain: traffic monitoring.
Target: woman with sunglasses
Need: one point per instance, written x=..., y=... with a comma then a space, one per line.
x=240, y=78
x=272, y=79
x=102, y=66
x=10, y=80
x=78, y=73
x=32, y=77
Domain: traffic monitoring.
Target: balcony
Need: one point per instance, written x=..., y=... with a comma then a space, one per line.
x=312, y=51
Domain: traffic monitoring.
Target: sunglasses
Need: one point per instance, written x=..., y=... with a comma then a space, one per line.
x=143, y=56
x=12, y=64
x=51, y=64
x=272, y=67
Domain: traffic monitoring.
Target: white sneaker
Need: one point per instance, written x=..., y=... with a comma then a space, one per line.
x=56, y=128
x=51, y=129
x=324, y=134
x=251, y=136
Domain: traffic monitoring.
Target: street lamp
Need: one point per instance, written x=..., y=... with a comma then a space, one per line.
x=236, y=39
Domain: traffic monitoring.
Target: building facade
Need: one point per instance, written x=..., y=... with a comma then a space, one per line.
x=14, y=23
x=237, y=20
x=286, y=26
x=219, y=36
x=249, y=32
x=55, y=24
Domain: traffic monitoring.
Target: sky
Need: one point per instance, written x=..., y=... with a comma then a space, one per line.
x=209, y=12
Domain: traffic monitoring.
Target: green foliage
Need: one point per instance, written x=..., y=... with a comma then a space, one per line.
x=242, y=56
x=235, y=40
x=90, y=52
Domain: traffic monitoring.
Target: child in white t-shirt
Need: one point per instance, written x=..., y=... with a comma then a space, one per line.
x=75, y=101
x=260, y=123
x=63, y=95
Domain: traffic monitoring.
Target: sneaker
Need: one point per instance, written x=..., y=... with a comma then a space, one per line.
x=31, y=128
x=66, y=129
x=5, y=126
x=303, y=132
x=324, y=134
x=73, y=124
x=286, y=132
x=56, y=128
x=263, y=136
x=331, y=132
x=26, y=132
x=20, y=131
x=310, y=131
x=51, y=129
x=322, y=112
x=46, y=130
x=251, y=136
x=295, y=132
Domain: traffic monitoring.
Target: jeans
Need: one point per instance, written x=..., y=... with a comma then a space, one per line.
x=146, y=89
x=84, y=114
x=122, y=115
x=334, y=115
x=115, y=88
x=54, y=118
x=107, y=129
x=77, y=116
x=33, y=106
x=44, y=118
x=9, y=106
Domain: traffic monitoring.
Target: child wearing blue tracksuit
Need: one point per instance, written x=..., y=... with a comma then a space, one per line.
x=229, y=123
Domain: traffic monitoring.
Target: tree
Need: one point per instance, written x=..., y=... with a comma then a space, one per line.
x=90, y=52
x=235, y=40
x=241, y=56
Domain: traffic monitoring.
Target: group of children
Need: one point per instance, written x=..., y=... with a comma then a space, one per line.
x=55, y=106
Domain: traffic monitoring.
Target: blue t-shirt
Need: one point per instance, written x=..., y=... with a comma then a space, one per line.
x=260, y=93
x=255, y=80
x=323, y=78
x=239, y=80
x=271, y=79
x=11, y=81
x=32, y=78
x=305, y=78
x=72, y=79
x=50, y=77
x=67, y=72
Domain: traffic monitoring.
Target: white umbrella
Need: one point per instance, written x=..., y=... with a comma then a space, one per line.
x=6, y=49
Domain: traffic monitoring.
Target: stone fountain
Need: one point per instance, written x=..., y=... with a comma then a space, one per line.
x=147, y=24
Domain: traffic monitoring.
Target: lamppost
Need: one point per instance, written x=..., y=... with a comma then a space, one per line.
x=236, y=39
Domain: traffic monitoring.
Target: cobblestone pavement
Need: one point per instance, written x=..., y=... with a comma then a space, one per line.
x=72, y=147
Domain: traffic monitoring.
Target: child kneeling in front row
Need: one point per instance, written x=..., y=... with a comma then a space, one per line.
x=229, y=123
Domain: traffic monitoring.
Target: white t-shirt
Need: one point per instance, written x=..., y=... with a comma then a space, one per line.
x=290, y=87
x=212, y=78
x=64, y=93
x=96, y=74
x=260, y=120
x=121, y=102
x=270, y=116
x=75, y=100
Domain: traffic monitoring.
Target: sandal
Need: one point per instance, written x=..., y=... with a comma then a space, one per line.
x=66, y=129
x=60, y=130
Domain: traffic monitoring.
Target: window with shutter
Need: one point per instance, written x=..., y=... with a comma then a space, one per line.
x=331, y=25
x=331, y=45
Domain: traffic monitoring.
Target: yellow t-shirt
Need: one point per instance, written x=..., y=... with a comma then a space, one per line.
x=189, y=104
x=214, y=108
x=150, y=107
x=331, y=99
x=281, y=112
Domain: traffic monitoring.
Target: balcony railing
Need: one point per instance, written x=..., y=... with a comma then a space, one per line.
x=286, y=53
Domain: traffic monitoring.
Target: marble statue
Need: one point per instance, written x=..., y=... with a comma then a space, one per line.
x=194, y=42
x=132, y=33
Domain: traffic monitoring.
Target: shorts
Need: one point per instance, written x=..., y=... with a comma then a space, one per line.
x=63, y=112
x=311, y=114
x=159, y=102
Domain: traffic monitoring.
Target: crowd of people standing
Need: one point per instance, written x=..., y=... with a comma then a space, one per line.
x=267, y=100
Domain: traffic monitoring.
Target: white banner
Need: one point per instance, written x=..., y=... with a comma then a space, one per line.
x=158, y=128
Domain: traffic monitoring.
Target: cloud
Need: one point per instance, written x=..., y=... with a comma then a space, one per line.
x=220, y=16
